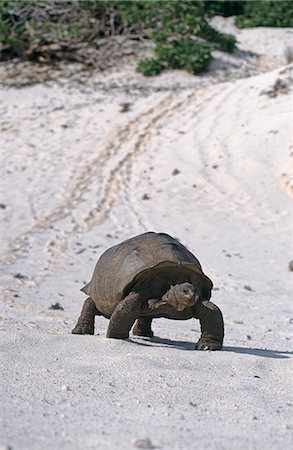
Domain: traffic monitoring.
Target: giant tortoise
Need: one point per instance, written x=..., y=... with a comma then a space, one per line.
x=149, y=276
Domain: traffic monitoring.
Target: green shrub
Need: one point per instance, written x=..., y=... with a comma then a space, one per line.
x=225, y=42
x=41, y=30
x=150, y=67
x=266, y=13
x=224, y=8
x=174, y=34
x=38, y=22
x=185, y=55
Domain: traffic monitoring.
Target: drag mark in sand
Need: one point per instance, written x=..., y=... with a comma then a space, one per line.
x=98, y=185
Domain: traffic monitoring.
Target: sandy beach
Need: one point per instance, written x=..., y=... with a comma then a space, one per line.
x=88, y=163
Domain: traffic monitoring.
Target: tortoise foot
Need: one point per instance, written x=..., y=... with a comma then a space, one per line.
x=148, y=334
x=204, y=345
x=86, y=320
x=144, y=333
x=143, y=328
x=117, y=335
x=83, y=329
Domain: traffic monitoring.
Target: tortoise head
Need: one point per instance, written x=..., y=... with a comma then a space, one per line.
x=181, y=296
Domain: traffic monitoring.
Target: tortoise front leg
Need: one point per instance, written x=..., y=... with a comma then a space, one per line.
x=86, y=320
x=124, y=316
x=212, y=326
x=143, y=327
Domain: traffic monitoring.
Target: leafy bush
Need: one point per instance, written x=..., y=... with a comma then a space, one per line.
x=188, y=55
x=174, y=34
x=224, y=8
x=161, y=19
x=226, y=42
x=185, y=54
x=12, y=29
x=150, y=67
x=29, y=24
x=49, y=31
x=266, y=13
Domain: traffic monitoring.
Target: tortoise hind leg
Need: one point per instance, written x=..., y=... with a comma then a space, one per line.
x=143, y=327
x=124, y=316
x=86, y=320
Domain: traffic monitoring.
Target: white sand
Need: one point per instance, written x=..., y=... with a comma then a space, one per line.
x=74, y=172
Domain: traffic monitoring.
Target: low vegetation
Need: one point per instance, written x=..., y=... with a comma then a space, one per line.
x=265, y=13
x=183, y=38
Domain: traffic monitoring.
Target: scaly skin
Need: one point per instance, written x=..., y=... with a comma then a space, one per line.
x=124, y=316
x=86, y=320
x=212, y=326
x=143, y=327
x=130, y=309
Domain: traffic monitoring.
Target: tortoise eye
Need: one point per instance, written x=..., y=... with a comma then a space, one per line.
x=185, y=291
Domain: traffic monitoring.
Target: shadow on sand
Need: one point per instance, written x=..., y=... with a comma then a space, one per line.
x=184, y=345
x=264, y=353
x=162, y=342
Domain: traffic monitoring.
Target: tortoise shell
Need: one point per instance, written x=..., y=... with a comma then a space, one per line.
x=130, y=264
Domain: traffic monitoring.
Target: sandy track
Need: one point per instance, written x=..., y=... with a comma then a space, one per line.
x=101, y=178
